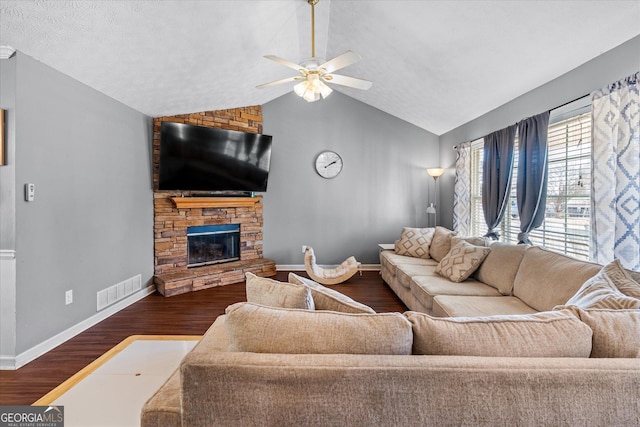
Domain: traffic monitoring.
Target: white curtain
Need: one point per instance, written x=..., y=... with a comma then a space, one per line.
x=616, y=173
x=462, y=190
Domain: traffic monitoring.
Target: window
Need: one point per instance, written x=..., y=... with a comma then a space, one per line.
x=567, y=225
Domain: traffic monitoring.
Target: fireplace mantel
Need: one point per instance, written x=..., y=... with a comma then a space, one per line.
x=214, y=202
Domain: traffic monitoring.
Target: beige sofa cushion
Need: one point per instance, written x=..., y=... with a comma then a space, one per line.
x=415, y=242
x=601, y=290
x=328, y=299
x=261, y=290
x=461, y=305
x=477, y=241
x=549, y=334
x=461, y=261
x=546, y=279
x=441, y=243
x=500, y=267
x=616, y=333
x=262, y=329
x=391, y=260
x=406, y=273
x=425, y=288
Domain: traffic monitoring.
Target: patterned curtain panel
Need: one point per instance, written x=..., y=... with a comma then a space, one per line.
x=496, y=176
x=616, y=173
x=462, y=190
x=531, y=191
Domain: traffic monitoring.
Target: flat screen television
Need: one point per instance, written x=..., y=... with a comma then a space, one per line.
x=198, y=158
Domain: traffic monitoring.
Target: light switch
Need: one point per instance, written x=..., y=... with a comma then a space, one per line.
x=29, y=192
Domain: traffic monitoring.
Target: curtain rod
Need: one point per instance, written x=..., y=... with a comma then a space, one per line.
x=455, y=147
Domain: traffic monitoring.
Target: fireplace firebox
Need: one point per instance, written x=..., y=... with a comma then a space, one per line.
x=212, y=244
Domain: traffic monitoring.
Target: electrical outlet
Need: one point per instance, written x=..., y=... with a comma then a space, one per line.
x=68, y=297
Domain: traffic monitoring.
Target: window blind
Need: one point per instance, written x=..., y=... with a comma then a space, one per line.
x=567, y=225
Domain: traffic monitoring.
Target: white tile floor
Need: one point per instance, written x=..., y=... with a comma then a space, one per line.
x=113, y=395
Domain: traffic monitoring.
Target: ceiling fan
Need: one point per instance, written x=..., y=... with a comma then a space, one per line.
x=315, y=72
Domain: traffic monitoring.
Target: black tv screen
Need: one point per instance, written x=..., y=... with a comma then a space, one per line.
x=198, y=158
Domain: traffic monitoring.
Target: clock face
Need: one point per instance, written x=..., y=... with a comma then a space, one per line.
x=328, y=164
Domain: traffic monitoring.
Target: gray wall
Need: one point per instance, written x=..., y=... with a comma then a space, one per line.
x=7, y=214
x=600, y=71
x=382, y=187
x=91, y=224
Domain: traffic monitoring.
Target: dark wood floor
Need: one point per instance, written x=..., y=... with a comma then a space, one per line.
x=187, y=314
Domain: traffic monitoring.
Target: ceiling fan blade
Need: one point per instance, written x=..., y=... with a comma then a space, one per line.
x=285, y=62
x=340, y=61
x=348, y=81
x=277, y=82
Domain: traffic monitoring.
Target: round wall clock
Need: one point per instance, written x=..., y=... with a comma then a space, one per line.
x=328, y=164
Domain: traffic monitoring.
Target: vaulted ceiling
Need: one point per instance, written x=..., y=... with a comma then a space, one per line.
x=436, y=64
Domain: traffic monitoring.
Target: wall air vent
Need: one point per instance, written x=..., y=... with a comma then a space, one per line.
x=119, y=291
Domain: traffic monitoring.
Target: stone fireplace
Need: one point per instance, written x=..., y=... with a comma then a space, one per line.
x=177, y=218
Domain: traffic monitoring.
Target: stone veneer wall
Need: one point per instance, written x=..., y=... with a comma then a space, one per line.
x=170, y=223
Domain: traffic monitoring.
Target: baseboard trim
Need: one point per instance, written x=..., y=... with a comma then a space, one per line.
x=7, y=363
x=301, y=267
x=33, y=353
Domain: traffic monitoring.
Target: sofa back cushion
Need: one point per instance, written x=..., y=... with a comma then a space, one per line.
x=501, y=265
x=260, y=329
x=261, y=290
x=546, y=279
x=328, y=299
x=616, y=333
x=549, y=334
x=441, y=243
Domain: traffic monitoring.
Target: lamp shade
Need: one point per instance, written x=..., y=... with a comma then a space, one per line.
x=435, y=172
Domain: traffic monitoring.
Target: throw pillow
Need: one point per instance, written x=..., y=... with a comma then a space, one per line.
x=461, y=261
x=546, y=334
x=260, y=329
x=261, y=290
x=600, y=291
x=328, y=299
x=415, y=242
x=441, y=243
x=623, y=280
x=616, y=333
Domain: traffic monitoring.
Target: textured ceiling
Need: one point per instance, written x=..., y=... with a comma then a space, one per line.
x=436, y=64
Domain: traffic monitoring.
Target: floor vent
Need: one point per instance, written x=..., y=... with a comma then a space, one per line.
x=119, y=291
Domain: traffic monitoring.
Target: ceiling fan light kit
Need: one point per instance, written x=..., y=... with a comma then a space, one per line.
x=315, y=72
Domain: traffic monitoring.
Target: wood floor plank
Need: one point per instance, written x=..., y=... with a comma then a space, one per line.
x=186, y=314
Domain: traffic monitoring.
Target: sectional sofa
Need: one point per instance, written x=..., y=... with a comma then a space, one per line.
x=298, y=353
x=510, y=279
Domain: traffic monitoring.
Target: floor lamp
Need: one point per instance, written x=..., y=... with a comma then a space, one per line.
x=435, y=173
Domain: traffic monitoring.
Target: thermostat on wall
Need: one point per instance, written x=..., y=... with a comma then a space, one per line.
x=29, y=192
